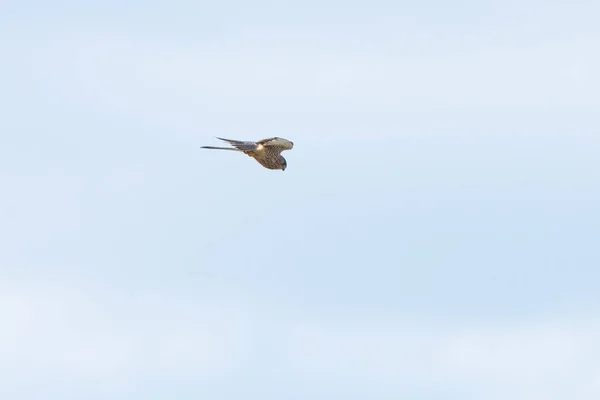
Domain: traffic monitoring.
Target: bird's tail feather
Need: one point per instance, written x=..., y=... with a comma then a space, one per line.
x=220, y=148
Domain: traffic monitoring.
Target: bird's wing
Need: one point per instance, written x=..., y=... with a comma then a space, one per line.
x=241, y=145
x=276, y=142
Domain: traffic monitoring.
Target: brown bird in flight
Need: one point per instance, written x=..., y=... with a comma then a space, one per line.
x=266, y=151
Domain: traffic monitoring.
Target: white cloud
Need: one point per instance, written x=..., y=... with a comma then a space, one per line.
x=27, y=221
x=98, y=334
x=310, y=75
x=106, y=337
x=516, y=63
x=536, y=360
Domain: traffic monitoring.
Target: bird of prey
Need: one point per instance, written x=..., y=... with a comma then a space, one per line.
x=266, y=151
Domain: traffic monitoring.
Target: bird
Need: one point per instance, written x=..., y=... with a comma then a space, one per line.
x=266, y=151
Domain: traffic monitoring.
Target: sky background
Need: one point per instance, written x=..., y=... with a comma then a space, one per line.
x=436, y=234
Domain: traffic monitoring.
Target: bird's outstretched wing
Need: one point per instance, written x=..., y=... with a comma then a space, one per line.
x=241, y=145
x=276, y=142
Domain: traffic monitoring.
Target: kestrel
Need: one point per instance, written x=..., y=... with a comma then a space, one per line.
x=266, y=151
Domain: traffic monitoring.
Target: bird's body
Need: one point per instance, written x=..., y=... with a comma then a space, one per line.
x=266, y=151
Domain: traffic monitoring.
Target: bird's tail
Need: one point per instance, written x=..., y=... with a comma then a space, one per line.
x=220, y=148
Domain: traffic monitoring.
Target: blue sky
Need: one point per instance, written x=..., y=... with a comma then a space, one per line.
x=435, y=235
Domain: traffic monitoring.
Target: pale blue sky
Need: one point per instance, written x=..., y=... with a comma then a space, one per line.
x=435, y=236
